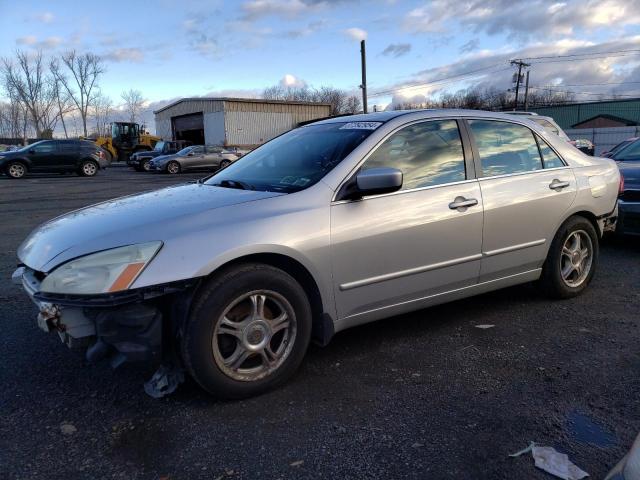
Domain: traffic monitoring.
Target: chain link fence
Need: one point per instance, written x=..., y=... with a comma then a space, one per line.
x=604, y=139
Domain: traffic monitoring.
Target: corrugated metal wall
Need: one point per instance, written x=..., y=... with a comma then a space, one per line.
x=246, y=123
x=568, y=115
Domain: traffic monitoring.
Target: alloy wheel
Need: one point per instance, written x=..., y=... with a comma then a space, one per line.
x=89, y=169
x=576, y=258
x=173, y=167
x=16, y=170
x=254, y=335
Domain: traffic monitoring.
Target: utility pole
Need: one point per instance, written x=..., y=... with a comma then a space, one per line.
x=526, y=93
x=520, y=64
x=363, y=86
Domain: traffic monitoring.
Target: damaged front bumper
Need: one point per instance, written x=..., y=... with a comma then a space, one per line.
x=131, y=326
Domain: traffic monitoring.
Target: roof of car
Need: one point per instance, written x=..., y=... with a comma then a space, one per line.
x=431, y=112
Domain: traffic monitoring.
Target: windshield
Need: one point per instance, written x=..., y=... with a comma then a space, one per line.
x=297, y=159
x=184, y=151
x=159, y=146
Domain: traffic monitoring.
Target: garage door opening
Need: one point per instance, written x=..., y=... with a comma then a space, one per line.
x=189, y=127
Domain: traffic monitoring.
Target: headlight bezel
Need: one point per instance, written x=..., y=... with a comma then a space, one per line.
x=102, y=272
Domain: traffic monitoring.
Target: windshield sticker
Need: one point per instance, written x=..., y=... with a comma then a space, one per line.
x=360, y=126
x=301, y=182
x=288, y=180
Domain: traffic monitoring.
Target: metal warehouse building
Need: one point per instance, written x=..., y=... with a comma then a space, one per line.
x=241, y=122
x=613, y=113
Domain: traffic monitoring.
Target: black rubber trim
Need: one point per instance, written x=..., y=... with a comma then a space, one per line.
x=118, y=298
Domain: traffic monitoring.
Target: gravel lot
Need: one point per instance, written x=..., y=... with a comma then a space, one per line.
x=425, y=395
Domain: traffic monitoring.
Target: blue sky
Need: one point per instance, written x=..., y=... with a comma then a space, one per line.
x=169, y=49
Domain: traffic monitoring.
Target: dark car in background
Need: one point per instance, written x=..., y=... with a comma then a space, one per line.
x=196, y=157
x=140, y=160
x=629, y=200
x=54, y=156
x=618, y=147
x=628, y=153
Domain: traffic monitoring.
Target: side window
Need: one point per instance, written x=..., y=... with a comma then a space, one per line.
x=549, y=157
x=505, y=147
x=629, y=152
x=214, y=150
x=68, y=147
x=428, y=153
x=547, y=125
x=45, y=148
x=197, y=150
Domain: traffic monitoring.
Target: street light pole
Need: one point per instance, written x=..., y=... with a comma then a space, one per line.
x=363, y=86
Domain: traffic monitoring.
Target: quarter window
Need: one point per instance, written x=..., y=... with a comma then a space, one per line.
x=428, y=153
x=549, y=157
x=505, y=148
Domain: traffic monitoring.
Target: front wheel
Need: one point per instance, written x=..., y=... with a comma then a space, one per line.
x=16, y=170
x=146, y=165
x=248, y=331
x=572, y=259
x=173, y=167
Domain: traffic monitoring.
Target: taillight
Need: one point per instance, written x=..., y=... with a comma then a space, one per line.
x=101, y=154
x=621, y=185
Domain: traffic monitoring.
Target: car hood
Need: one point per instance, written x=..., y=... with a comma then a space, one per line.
x=127, y=220
x=631, y=173
x=146, y=154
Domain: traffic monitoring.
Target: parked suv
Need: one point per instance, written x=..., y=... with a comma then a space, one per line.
x=141, y=160
x=331, y=225
x=54, y=156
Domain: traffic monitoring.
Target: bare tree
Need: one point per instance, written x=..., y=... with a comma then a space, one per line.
x=85, y=71
x=102, y=114
x=133, y=103
x=340, y=100
x=27, y=82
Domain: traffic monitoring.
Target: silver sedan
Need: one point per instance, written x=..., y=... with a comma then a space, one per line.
x=197, y=157
x=331, y=225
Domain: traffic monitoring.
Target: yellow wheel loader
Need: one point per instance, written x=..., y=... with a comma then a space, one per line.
x=126, y=138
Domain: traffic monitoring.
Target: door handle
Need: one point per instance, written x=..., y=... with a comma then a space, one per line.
x=461, y=202
x=558, y=184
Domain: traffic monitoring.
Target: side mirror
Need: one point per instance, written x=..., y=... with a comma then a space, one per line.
x=375, y=181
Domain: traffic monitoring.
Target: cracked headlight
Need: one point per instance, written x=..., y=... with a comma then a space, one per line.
x=108, y=271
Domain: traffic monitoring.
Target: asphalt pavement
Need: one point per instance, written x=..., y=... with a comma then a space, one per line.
x=424, y=395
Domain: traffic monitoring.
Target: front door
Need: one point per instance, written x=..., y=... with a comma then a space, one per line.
x=526, y=189
x=392, y=252
x=45, y=157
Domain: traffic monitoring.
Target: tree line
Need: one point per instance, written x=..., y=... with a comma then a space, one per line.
x=64, y=90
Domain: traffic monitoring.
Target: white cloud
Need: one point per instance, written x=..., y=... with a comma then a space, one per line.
x=254, y=9
x=134, y=55
x=32, y=41
x=45, y=17
x=291, y=81
x=397, y=49
x=356, y=33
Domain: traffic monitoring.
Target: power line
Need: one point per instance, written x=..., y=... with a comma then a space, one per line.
x=578, y=93
x=614, y=52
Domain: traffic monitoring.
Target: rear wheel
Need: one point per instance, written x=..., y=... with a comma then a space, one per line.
x=572, y=259
x=16, y=170
x=248, y=331
x=224, y=164
x=173, y=167
x=88, y=168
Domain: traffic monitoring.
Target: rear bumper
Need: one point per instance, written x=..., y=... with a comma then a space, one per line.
x=123, y=327
x=628, y=218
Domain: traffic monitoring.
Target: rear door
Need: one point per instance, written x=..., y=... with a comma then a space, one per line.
x=69, y=153
x=212, y=157
x=392, y=252
x=526, y=189
x=194, y=159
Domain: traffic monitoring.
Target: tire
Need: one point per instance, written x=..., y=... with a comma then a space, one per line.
x=16, y=170
x=224, y=164
x=107, y=155
x=146, y=165
x=208, y=351
x=572, y=259
x=88, y=168
x=173, y=167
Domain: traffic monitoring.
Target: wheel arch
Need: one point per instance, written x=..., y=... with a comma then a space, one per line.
x=322, y=329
